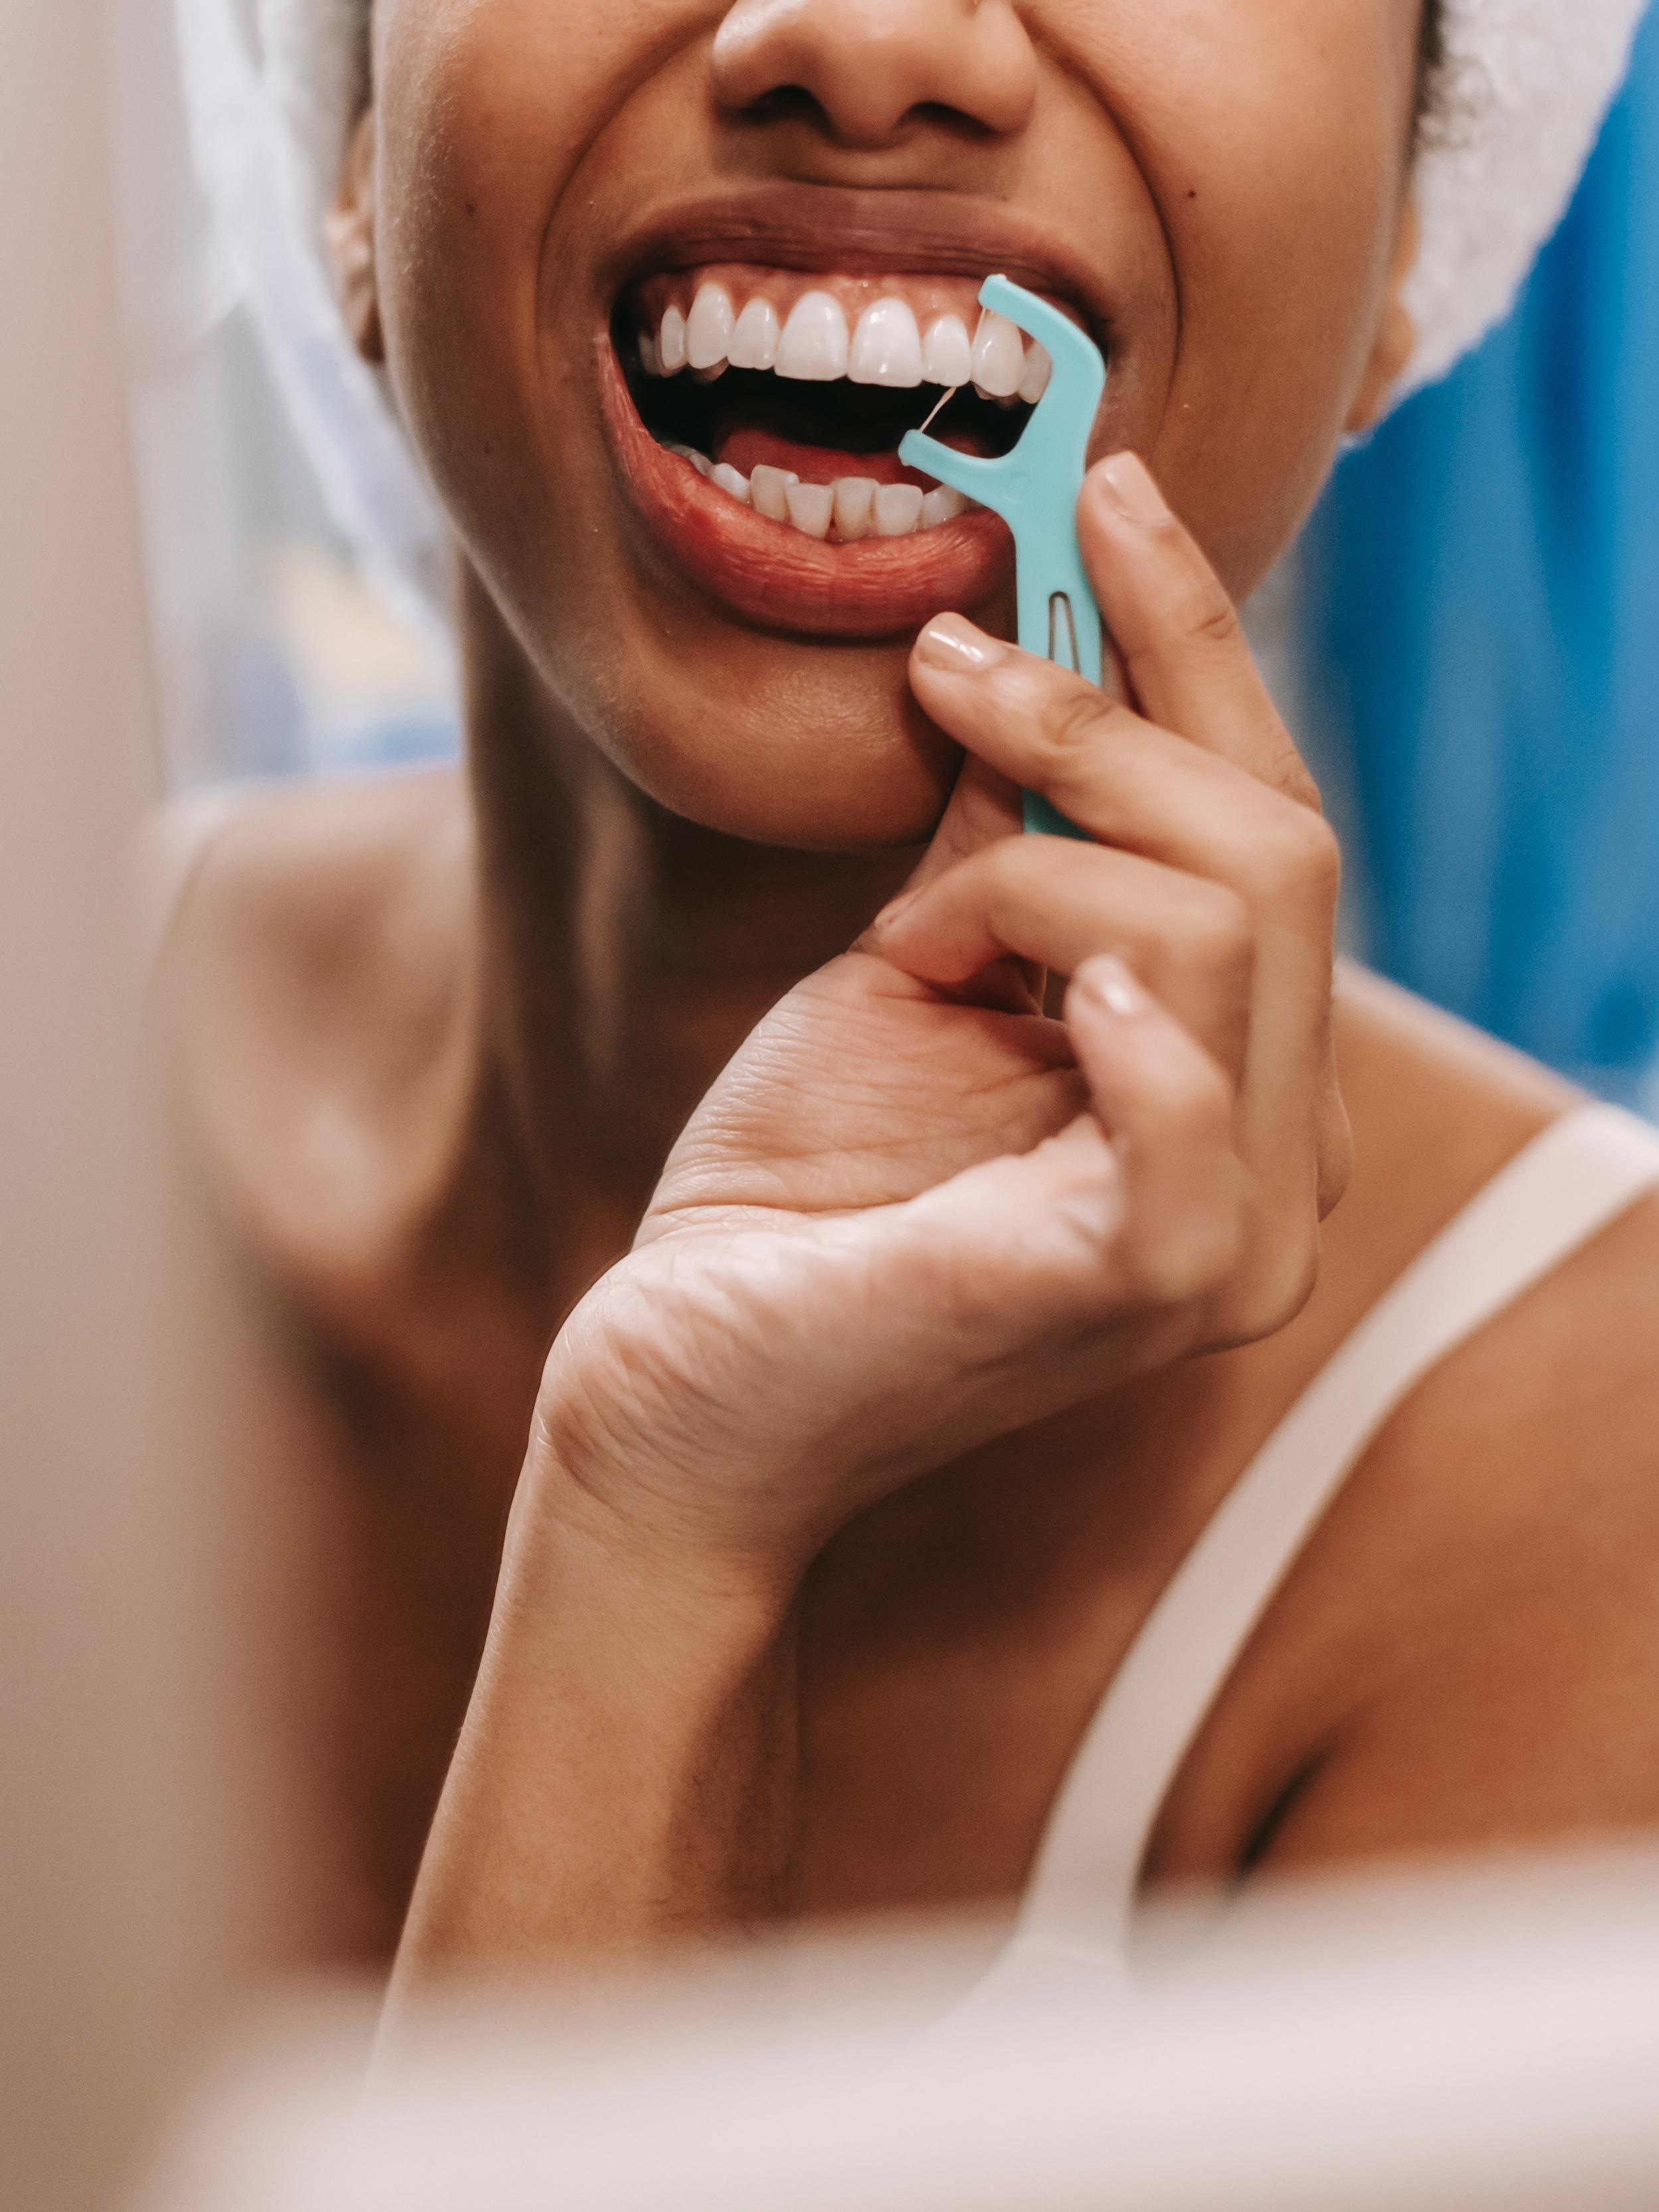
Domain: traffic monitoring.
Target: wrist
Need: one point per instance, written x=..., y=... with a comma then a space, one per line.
x=574, y=1552
x=626, y=1775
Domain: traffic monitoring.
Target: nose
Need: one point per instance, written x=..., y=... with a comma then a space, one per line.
x=868, y=66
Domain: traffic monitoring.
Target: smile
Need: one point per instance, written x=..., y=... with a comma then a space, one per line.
x=755, y=409
x=784, y=391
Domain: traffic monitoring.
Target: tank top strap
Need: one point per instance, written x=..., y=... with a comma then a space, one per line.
x=1571, y=1181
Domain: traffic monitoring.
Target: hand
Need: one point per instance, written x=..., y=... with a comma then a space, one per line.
x=916, y=1211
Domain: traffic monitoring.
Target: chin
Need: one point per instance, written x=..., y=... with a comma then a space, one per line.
x=755, y=373
x=709, y=470
x=835, y=758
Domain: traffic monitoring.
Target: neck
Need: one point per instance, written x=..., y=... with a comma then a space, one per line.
x=625, y=952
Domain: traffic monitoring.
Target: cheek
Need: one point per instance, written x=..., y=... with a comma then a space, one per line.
x=485, y=109
x=515, y=137
x=1273, y=134
x=498, y=120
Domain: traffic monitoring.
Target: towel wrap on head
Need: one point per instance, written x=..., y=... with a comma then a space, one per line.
x=273, y=87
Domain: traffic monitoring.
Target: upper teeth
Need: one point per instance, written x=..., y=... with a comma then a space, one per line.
x=813, y=344
x=999, y=357
x=755, y=336
x=709, y=327
x=886, y=346
x=670, y=342
x=866, y=330
x=947, y=353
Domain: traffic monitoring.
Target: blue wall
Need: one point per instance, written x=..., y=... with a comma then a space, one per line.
x=1483, y=628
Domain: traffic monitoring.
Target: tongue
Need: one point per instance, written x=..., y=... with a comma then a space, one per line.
x=747, y=444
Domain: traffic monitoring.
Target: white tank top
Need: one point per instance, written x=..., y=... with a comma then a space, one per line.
x=1557, y=1195
x=1571, y=1182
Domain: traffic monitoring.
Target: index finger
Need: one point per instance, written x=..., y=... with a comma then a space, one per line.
x=1176, y=629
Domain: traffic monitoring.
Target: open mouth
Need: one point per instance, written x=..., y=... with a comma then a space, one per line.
x=791, y=395
x=758, y=412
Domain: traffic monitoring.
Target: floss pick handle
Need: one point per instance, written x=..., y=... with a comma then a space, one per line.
x=1035, y=488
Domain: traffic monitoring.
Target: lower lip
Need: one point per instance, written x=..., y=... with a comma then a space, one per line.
x=776, y=578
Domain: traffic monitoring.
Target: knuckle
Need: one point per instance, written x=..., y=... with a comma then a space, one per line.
x=1296, y=858
x=1335, y=1152
x=1074, y=720
x=1269, y=1293
x=1204, y=615
x=1188, y=1260
x=1208, y=1104
x=1296, y=781
x=1001, y=872
x=1279, y=765
x=1196, y=1113
x=1221, y=934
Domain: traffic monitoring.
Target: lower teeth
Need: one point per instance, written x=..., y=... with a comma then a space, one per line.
x=700, y=461
x=852, y=507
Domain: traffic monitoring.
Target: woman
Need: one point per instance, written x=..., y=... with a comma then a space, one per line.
x=916, y=1310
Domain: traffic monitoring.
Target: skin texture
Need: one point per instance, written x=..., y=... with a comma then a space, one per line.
x=912, y=1306
x=1185, y=230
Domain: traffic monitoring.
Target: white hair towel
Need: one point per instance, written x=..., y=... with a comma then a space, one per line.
x=1527, y=86
x=274, y=87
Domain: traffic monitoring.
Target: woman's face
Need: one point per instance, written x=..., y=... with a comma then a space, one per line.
x=1214, y=187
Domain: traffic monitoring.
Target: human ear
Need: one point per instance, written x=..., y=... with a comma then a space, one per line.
x=1396, y=333
x=348, y=237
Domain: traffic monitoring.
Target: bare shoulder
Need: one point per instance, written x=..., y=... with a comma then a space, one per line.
x=1435, y=1104
x=1476, y=1626
x=1466, y=1654
x=308, y=975
x=1571, y=1363
x=287, y=864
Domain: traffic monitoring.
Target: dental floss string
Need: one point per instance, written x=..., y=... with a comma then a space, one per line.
x=1034, y=488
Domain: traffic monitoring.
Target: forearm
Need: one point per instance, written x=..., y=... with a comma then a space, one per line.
x=625, y=1779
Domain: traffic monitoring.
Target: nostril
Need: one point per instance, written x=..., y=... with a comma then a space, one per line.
x=956, y=119
x=831, y=94
x=873, y=123
x=786, y=103
x=868, y=71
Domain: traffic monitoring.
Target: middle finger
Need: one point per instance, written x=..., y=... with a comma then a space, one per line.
x=1122, y=779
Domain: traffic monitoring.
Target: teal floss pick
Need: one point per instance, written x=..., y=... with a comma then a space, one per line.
x=1035, y=488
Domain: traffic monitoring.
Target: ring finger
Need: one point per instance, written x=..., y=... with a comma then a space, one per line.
x=1059, y=904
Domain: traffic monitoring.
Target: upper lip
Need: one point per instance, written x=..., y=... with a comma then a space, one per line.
x=837, y=228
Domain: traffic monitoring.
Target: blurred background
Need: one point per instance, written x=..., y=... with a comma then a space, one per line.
x=1477, y=628
x=275, y=658
x=1467, y=640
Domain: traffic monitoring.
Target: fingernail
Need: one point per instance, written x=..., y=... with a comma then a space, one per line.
x=1130, y=486
x=953, y=643
x=1106, y=980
